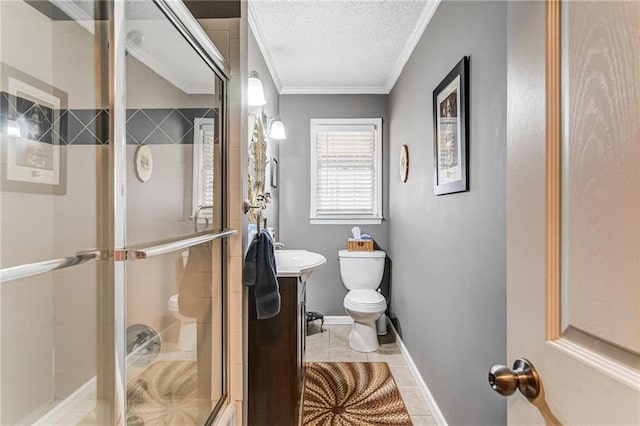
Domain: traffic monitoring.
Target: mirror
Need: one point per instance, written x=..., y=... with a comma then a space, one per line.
x=257, y=165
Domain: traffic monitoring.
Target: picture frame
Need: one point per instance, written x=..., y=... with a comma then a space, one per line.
x=32, y=128
x=450, y=130
x=274, y=173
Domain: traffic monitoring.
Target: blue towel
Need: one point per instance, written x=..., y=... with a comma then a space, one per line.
x=261, y=273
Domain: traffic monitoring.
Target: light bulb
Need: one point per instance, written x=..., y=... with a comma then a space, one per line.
x=276, y=130
x=256, y=91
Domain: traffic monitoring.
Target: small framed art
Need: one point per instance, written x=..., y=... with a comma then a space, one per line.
x=450, y=126
x=274, y=173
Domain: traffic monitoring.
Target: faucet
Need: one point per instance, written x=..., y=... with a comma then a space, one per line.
x=278, y=246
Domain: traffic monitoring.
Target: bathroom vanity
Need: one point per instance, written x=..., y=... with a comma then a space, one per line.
x=276, y=345
x=276, y=358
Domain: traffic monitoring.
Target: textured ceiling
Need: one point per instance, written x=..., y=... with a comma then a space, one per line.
x=345, y=46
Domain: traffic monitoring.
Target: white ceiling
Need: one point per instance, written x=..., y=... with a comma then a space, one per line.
x=154, y=41
x=338, y=46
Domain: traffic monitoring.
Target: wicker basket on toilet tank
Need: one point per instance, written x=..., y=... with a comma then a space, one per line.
x=359, y=245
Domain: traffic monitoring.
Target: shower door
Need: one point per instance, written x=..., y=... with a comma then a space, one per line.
x=54, y=136
x=112, y=238
x=174, y=236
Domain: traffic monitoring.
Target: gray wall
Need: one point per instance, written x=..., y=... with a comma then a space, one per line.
x=448, y=252
x=255, y=62
x=325, y=291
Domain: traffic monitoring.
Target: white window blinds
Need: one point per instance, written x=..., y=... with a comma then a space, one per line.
x=203, y=166
x=346, y=171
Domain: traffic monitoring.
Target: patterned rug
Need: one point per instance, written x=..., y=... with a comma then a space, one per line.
x=164, y=394
x=352, y=394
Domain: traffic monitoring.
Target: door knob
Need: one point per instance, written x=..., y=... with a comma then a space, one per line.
x=523, y=377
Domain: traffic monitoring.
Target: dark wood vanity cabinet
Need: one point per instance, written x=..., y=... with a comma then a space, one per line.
x=276, y=358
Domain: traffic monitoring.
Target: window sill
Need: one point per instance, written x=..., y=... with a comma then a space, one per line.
x=350, y=221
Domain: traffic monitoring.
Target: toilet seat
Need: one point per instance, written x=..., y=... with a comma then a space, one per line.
x=365, y=301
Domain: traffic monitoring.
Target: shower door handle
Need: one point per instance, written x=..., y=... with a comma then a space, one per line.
x=181, y=244
x=30, y=269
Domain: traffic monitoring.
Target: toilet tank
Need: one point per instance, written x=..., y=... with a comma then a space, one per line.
x=361, y=269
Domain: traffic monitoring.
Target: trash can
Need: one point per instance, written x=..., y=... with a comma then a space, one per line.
x=313, y=315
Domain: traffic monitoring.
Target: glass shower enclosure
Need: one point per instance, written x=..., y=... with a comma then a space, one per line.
x=112, y=213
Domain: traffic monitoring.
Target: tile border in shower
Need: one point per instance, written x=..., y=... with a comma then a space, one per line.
x=145, y=126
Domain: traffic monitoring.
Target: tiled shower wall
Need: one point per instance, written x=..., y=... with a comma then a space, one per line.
x=152, y=126
x=166, y=195
x=35, y=311
x=226, y=34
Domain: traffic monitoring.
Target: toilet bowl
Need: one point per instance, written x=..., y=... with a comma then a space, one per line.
x=187, y=337
x=365, y=307
x=361, y=273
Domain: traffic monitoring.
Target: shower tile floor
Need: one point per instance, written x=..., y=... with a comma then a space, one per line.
x=82, y=410
x=333, y=345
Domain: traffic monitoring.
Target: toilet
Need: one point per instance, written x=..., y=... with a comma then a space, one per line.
x=187, y=337
x=361, y=273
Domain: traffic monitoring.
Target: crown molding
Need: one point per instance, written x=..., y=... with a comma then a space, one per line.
x=337, y=90
x=166, y=72
x=76, y=13
x=255, y=26
x=412, y=42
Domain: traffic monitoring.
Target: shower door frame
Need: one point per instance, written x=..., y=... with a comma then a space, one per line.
x=114, y=386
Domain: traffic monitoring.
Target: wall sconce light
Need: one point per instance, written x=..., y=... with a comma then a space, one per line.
x=256, y=91
x=274, y=126
x=276, y=129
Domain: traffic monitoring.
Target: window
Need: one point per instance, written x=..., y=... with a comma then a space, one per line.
x=203, y=168
x=346, y=171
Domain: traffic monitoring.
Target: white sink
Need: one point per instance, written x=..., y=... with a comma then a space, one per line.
x=298, y=263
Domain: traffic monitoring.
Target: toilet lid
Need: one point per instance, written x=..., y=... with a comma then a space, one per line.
x=361, y=254
x=365, y=298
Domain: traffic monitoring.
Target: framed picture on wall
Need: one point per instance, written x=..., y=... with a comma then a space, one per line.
x=32, y=120
x=450, y=126
x=274, y=173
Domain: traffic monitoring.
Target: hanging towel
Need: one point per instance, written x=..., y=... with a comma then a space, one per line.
x=260, y=272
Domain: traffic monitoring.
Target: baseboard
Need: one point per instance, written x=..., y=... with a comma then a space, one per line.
x=73, y=408
x=424, y=390
x=344, y=320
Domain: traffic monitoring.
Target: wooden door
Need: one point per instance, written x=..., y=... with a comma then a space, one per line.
x=573, y=209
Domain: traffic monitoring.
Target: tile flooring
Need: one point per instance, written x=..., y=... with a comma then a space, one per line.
x=333, y=345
